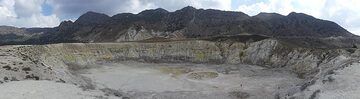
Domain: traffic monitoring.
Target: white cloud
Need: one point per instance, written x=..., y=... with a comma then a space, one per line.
x=26, y=8
x=25, y=13
x=137, y=6
x=343, y=12
x=213, y=4
x=284, y=6
x=254, y=9
x=6, y=9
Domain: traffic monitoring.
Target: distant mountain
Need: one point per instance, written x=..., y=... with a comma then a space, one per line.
x=185, y=23
x=14, y=35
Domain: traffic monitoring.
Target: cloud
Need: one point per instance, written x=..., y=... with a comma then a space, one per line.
x=343, y=12
x=283, y=6
x=26, y=8
x=25, y=13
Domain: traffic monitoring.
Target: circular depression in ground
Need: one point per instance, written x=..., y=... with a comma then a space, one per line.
x=142, y=80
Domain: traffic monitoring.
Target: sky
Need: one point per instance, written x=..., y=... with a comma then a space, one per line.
x=49, y=13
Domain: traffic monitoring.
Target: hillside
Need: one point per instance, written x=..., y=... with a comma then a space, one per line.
x=186, y=23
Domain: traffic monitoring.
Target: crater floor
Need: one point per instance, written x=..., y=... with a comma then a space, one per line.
x=190, y=81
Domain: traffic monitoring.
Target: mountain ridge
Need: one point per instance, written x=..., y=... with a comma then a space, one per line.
x=187, y=22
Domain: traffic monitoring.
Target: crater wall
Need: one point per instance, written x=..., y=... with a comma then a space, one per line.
x=268, y=53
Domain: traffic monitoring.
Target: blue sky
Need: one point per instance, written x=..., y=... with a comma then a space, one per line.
x=46, y=9
x=49, y=13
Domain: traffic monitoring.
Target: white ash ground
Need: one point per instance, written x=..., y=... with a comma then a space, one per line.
x=144, y=80
x=29, y=89
x=341, y=84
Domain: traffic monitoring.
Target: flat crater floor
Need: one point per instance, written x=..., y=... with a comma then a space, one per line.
x=137, y=80
x=190, y=81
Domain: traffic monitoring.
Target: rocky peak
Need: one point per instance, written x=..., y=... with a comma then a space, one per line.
x=66, y=25
x=268, y=16
x=153, y=11
x=123, y=15
x=123, y=18
x=188, y=8
x=153, y=15
x=186, y=11
x=300, y=16
x=92, y=18
x=222, y=15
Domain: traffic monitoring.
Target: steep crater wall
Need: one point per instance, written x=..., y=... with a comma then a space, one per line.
x=271, y=53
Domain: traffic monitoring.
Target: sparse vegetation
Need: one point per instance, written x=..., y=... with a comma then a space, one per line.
x=109, y=91
x=239, y=94
x=7, y=67
x=351, y=50
x=315, y=93
x=202, y=75
x=26, y=69
x=32, y=76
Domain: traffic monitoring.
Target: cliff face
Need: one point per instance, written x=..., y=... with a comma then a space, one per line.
x=306, y=62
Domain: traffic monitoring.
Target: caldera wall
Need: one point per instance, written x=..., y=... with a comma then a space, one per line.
x=268, y=53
